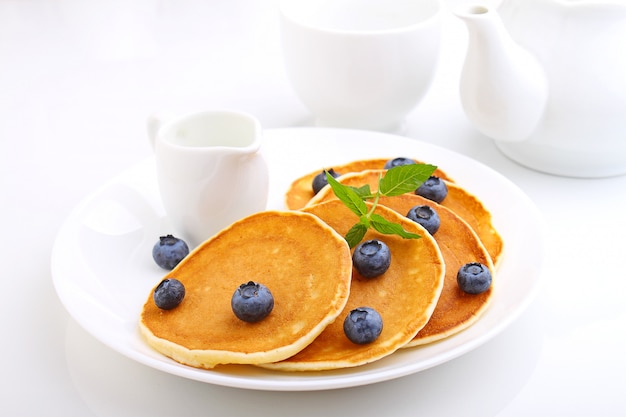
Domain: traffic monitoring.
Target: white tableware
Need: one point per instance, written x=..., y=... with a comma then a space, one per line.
x=545, y=79
x=362, y=64
x=209, y=169
x=103, y=269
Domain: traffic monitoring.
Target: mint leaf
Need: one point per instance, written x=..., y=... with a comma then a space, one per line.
x=397, y=181
x=404, y=179
x=365, y=192
x=386, y=227
x=356, y=234
x=348, y=196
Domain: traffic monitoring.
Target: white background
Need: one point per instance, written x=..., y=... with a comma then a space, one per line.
x=78, y=79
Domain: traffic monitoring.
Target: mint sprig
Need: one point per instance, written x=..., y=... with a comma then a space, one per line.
x=396, y=181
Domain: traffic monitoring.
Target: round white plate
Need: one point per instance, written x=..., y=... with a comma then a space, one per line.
x=103, y=270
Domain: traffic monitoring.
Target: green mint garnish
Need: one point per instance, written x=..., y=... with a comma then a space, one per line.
x=396, y=181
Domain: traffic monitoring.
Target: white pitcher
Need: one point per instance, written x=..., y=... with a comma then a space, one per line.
x=210, y=171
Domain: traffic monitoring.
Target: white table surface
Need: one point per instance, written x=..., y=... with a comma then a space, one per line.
x=77, y=81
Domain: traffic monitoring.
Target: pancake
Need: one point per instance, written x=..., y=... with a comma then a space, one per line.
x=305, y=264
x=301, y=191
x=405, y=295
x=464, y=204
x=459, y=244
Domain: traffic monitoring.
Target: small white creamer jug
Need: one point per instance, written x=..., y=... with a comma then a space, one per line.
x=210, y=170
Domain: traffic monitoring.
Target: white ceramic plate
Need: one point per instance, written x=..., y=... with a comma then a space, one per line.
x=103, y=269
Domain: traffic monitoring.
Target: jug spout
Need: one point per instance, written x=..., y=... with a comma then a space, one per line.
x=504, y=89
x=154, y=123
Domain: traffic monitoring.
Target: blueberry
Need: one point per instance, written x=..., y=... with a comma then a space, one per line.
x=371, y=258
x=320, y=179
x=434, y=189
x=398, y=162
x=169, y=251
x=474, y=278
x=425, y=216
x=169, y=294
x=252, y=302
x=363, y=325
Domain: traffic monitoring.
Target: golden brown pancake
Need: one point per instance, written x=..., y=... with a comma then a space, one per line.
x=301, y=190
x=464, y=204
x=405, y=295
x=305, y=264
x=459, y=244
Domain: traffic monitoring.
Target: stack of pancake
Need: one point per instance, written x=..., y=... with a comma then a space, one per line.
x=301, y=256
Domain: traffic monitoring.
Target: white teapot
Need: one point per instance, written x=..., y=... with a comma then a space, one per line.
x=546, y=79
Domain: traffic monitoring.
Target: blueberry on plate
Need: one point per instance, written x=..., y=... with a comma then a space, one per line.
x=363, y=325
x=252, y=302
x=371, y=258
x=434, y=188
x=398, y=162
x=320, y=180
x=474, y=278
x=426, y=216
x=169, y=251
x=169, y=294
